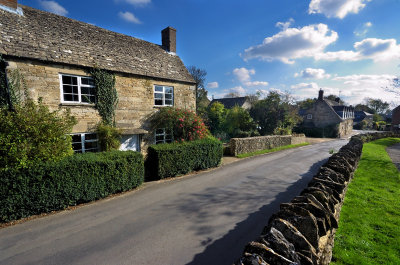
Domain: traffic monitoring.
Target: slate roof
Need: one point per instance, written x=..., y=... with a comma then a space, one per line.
x=48, y=37
x=230, y=102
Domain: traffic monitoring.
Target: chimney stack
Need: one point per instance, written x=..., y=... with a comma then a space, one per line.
x=321, y=94
x=9, y=3
x=168, y=36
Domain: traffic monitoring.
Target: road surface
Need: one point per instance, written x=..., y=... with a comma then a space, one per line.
x=202, y=219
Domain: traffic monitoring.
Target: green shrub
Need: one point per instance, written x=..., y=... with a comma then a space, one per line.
x=32, y=134
x=162, y=159
x=109, y=137
x=76, y=179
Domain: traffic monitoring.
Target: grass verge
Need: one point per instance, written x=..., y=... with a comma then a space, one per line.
x=369, y=228
x=265, y=151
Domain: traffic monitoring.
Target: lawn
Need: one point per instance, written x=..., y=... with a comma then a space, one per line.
x=369, y=227
x=265, y=151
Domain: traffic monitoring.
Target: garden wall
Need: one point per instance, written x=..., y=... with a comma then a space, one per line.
x=303, y=230
x=252, y=144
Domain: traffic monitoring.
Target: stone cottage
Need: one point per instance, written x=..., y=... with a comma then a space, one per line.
x=326, y=113
x=54, y=54
x=396, y=119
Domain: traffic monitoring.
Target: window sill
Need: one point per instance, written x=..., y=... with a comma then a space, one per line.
x=162, y=106
x=77, y=104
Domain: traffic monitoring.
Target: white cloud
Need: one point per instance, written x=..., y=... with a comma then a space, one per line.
x=311, y=73
x=336, y=8
x=371, y=48
x=137, y=3
x=363, y=30
x=243, y=75
x=53, y=7
x=237, y=90
x=293, y=43
x=213, y=85
x=285, y=25
x=128, y=16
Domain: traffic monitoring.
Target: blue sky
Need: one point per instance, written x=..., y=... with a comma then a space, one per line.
x=346, y=47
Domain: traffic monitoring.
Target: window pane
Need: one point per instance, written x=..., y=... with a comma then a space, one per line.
x=168, y=96
x=68, y=97
x=168, y=89
x=158, y=96
x=158, y=102
x=85, y=99
x=160, y=131
x=66, y=79
x=168, y=102
x=77, y=147
x=76, y=138
x=67, y=89
x=85, y=90
x=159, y=138
x=90, y=136
x=158, y=88
x=90, y=145
x=76, y=98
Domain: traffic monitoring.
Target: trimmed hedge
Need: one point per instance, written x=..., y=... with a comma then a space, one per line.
x=77, y=179
x=170, y=160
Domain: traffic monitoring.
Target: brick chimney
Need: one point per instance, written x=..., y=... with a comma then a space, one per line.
x=168, y=36
x=9, y=3
x=321, y=94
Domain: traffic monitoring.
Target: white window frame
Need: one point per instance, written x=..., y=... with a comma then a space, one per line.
x=79, y=85
x=164, y=134
x=309, y=116
x=83, y=141
x=163, y=93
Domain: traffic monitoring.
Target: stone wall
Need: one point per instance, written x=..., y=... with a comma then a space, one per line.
x=303, y=230
x=136, y=96
x=252, y=144
x=345, y=128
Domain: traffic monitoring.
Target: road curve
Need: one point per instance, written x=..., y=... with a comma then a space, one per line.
x=202, y=219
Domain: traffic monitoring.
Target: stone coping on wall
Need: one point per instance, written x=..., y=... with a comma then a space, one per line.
x=252, y=144
x=303, y=230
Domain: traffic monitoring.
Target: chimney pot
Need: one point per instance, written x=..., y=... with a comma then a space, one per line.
x=168, y=37
x=9, y=3
x=321, y=94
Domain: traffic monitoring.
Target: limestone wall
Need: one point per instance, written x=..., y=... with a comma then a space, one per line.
x=303, y=230
x=345, y=127
x=252, y=144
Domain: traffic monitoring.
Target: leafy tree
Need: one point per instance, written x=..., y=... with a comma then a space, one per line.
x=363, y=107
x=334, y=98
x=377, y=105
x=238, y=123
x=185, y=125
x=32, y=134
x=275, y=113
x=199, y=75
x=306, y=103
x=216, y=117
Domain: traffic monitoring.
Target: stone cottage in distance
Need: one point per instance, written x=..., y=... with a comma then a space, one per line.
x=325, y=112
x=54, y=54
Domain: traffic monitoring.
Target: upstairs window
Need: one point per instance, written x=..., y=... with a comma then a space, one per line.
x=309, y=116
x=85, y=142
x=163, y=96
x=163, y=136
x=77, y=89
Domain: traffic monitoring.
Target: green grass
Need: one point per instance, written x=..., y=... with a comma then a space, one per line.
x=369, y=227
x=265, y=151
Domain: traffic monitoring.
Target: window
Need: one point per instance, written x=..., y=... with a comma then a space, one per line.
x=309, y=116
x=77, y=89
x=85, y=142
x=163, y=136
x=163, y=96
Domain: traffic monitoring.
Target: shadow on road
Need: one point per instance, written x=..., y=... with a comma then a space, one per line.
x=229, y=248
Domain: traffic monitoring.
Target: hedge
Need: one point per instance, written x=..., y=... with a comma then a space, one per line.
x=77, y=179
x=162, y=159
x=331, y=131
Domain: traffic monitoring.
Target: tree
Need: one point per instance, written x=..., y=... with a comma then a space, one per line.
x=334, y=98
x=275, y=113
x=377, y=105
x=199, y=75
x=363, y=107
x=306, y=103
x=238, y=123
x=216, y=117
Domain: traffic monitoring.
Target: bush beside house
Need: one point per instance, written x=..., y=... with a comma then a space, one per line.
x=76, y=179
x=162, y=159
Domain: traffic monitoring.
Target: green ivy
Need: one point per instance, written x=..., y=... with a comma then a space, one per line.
x=107, y=96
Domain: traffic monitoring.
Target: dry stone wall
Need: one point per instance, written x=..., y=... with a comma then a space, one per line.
x=303, y=230
x=252, y=144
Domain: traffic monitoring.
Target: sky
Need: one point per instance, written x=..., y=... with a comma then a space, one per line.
x=349, y=48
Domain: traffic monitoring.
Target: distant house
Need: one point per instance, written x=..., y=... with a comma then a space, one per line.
x=325, y=112
x=229, y=103
x=54, y=54
x=360, y=116
x=396, y=119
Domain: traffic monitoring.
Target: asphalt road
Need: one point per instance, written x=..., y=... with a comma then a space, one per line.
x=202, y=219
